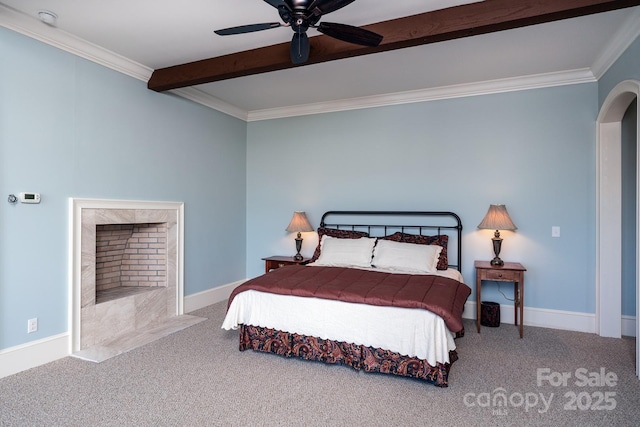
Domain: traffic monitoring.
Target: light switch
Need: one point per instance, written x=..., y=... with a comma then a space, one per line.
x=555, y=231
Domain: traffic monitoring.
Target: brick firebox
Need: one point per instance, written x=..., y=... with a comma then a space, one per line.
x=130, y=255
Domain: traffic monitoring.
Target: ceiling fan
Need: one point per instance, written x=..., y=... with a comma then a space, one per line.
x=301, y=15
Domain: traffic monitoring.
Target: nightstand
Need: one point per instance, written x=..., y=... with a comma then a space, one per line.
x=509, y=272
x=273, y=262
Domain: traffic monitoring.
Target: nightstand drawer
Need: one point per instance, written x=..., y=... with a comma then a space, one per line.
x=277, y=264
x=506, y=275
x=273, y=262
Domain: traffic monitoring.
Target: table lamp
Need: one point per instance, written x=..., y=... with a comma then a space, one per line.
x=497, y=218
x=299, y=223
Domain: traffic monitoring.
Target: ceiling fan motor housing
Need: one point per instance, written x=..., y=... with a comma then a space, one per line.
x=296, y=14
x=297, y=5
x=301, y=15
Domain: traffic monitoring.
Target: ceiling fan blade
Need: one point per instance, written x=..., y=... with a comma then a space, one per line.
x=322, y=7
x=350, y=34
x=299, y=51
x=247, y=28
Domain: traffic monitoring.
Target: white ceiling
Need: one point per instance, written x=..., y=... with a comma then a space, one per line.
x=136, y=37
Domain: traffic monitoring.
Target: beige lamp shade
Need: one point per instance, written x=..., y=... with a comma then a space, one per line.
x=497, y=218
x=299, y=223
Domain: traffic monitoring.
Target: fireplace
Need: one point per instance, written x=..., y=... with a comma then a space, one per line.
x=125, y=274
x=130, y=259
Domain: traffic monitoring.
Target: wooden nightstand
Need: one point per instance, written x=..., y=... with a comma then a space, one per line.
x=509, y=272
x=273, y=262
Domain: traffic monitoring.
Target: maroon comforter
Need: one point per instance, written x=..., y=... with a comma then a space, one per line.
x=440, y=295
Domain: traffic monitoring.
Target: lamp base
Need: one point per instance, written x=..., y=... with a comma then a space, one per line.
x=497, y=261
x=497, y=244
x=298, y=257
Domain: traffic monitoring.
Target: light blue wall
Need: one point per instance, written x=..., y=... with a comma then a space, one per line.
x=66, y=122
x=71, y=128
x=627, y=67
x=532, y=150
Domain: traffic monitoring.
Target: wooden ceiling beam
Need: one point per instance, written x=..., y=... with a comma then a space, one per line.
x=431, y=27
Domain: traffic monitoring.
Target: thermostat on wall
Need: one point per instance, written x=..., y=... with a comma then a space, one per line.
x=29, y=197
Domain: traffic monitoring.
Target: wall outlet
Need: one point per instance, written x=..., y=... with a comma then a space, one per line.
x=555, y=231
x=32, y=325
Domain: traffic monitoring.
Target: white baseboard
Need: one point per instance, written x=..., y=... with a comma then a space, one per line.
x=629, y=326
x=545, y=318
x=26, y=356
x=208, y=297
x=36, y=353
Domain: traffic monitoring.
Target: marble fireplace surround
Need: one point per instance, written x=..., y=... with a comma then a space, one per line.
x=100, y=331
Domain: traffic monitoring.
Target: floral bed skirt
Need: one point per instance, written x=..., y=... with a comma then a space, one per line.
x=358, y=357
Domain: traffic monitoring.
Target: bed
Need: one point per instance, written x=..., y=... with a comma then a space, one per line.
x=382, y=293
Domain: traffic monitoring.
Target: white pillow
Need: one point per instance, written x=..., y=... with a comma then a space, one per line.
x=336, y=252
x=408, y=257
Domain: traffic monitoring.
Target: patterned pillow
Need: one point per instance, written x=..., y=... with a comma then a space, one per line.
x=440, y=240
x=340, y=234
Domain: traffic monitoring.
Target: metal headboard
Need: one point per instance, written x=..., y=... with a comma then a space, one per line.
x=448, y=223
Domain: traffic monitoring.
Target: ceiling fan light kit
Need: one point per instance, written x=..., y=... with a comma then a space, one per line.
x=301, y=15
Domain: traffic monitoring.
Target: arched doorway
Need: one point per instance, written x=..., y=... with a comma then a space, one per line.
x=609, y=213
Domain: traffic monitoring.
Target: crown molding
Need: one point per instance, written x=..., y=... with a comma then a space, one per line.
x=621, y=41
x=445, y=92
x=33, y=28
x=200, y=97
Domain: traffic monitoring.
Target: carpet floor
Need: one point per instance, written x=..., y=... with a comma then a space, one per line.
x=197, y=377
